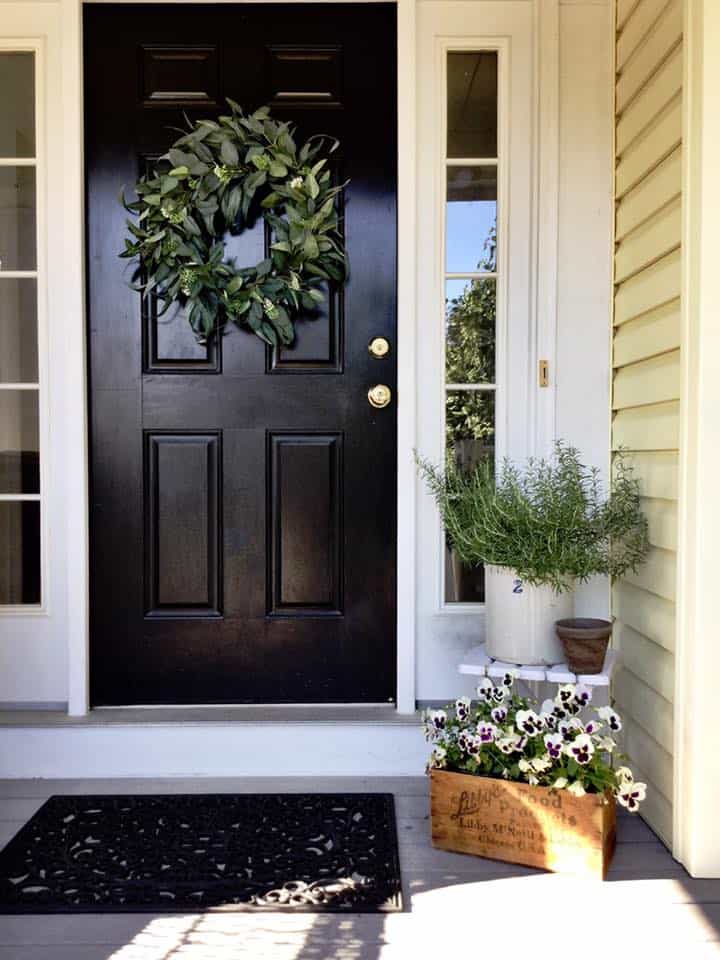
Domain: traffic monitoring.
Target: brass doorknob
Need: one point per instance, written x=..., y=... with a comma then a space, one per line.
x=378, y=347
x=379, y=395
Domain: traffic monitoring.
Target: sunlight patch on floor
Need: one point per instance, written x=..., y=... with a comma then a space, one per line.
x=641, y=913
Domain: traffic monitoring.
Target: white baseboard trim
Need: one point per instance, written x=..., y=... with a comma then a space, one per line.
x=203, y=750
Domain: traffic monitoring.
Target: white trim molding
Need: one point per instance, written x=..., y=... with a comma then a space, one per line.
x=696, y=839
x=75, y=360
x=546, y=201
x=407, y=366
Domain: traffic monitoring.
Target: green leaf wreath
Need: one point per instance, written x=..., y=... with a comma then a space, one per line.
x=212, y=180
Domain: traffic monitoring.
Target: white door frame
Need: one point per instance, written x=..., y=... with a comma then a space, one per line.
x=76, y=443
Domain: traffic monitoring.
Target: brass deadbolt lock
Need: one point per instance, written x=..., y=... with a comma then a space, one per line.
x=379, y=347
x=379, y=395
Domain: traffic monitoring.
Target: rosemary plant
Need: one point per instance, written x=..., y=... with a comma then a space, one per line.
x=551, y=521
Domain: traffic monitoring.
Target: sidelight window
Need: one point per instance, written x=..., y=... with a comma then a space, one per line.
x=20, y=486
x=471, y=269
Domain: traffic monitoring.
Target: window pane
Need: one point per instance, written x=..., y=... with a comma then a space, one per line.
x=470, y=425
x=471, y=219
x=472, y=104
x=470, y=331
x=17, y=112
x=463, y=584
x=470, y=436
x=19, y=442
x=18, y=331
x=19, y=552
x=17, y=218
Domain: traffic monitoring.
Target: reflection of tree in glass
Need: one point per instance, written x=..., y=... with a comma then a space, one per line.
x=470, y=356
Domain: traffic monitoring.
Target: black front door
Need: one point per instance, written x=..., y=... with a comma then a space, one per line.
x=243, y=499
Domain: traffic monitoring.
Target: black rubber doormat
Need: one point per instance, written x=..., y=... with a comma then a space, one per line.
x=195, y=852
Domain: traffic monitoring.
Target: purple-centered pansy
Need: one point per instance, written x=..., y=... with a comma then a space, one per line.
x=466, y=741
x=631, y=794
x=581, y=749
x=583, y=695
x=438, y=719
x=487, y=732
x=554, y=745
x=484, y=689
x=527, y=721
x=565, y=695
x=499, y=714
x=568, y=728
x=462, y=708
x=611, y=718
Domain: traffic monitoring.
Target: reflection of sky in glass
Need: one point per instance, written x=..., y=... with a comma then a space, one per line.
x=454, y=290
x=468, y=226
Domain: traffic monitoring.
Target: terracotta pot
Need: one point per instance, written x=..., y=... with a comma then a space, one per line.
x=585, y=641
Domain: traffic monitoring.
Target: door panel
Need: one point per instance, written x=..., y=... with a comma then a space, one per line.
x=243, y=499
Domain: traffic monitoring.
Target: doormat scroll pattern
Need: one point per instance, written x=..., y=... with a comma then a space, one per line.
x=171, y=853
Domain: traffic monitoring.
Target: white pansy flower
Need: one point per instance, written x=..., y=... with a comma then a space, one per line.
x=554, y=744
x=533, y=780
x=527, y=721
x=499, y=714
x=576, y=789
x=484, y=689
x=560, y=783
x=524, y=765
x=624, y=774
x=500, y=694
x=611, y=718
x=438, y=758
x=462, y=708
x=548, y=720
x=466, y=741
x=631, y=794
x=565, y=695
x=509, y=678
x=568, y=728
x=592, y=726
x=487, y=732
x=606, y=743
x=541, y=764
x=580, y=749
x=583, y=694
x=438, y=719
x=506, y=744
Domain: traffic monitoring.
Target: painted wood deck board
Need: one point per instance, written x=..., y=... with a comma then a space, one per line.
x=648, y=895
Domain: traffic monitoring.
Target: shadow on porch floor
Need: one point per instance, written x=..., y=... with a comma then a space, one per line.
x=453, y=902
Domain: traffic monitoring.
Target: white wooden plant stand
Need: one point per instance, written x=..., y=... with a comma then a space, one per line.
x=476, y=662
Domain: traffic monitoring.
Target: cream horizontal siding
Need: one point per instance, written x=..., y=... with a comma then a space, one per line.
x=649, y=335
x=646, y=382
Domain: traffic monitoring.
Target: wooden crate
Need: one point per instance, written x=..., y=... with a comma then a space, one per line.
x=534, y=826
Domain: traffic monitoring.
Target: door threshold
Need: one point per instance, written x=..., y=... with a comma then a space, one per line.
x=242, y=715
x=249, y=706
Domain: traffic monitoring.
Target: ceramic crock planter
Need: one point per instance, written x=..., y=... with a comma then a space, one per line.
x=520, y=618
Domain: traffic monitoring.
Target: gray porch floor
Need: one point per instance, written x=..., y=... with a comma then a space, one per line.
x=453, y=903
